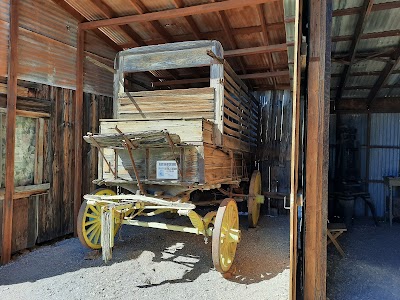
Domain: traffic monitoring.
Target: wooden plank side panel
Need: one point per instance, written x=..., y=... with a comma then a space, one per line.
x=146, y=163
x=217, y=165
x=47, y=225
x=189, y=130
x=177, y=103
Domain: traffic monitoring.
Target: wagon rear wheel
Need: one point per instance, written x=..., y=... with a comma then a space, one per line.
x=225, y=236
x=253, y=205
x=89, y=221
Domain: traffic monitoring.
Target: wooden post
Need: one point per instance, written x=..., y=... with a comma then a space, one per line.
x=10, y=133
x=78, y=125
x=317, y=149
x=294, y=168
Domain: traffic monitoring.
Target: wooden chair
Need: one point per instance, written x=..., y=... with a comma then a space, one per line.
x=333, y=232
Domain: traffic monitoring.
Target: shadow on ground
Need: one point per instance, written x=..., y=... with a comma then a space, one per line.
x=154, y=257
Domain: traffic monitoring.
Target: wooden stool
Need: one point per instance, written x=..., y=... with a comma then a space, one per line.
x=333, y=232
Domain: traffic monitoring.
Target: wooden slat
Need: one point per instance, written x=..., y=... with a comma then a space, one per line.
x=173, y=13
x=10, y=132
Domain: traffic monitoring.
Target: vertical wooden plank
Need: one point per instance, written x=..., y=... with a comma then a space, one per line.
x=20, y=226
x=1, y=151
x=118, y=83
x=10, y=132
x=317, y=149
x=217, y=82
x=57, y=181
x=38, y=177
x=78, y=125
x=294, y=168
x=67, y=207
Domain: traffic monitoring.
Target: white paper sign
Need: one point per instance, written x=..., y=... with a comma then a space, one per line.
x=167, y=169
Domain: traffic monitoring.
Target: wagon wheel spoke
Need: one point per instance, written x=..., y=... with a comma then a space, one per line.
x=89, y=222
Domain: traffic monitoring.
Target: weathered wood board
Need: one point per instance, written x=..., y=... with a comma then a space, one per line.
x=165, y=104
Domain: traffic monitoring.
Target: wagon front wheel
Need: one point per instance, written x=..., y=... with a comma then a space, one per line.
x=225, y=236
x=89, y=221
x=253, y=205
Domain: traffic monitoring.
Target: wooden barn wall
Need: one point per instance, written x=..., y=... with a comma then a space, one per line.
x=41, y=218
x=47, y=48
x=275, y=139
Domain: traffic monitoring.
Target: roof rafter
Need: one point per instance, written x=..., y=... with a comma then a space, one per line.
x=264, y=31
x=142, y=9
x=223, y=19
x=174, y=13
x=384, y=76
x=189, y=20
x=365, y=12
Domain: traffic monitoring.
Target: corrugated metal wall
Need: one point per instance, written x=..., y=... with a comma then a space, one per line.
x=385, y=132
x=384, y=152
x=47, y=48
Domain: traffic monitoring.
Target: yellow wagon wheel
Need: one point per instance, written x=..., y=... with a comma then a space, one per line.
x=225, y=236
x=253, y=205
x=89, y=221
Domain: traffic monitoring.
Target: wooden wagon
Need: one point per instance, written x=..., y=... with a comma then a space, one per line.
x=172, y=148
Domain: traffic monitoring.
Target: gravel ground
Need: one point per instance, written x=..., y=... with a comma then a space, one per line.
x=371, y=267
x=154, y=264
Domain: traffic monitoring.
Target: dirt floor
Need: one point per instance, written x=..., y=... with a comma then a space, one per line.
x=154, y=264
x=371, y=267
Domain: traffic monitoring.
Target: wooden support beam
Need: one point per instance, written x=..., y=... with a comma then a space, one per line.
x=189, y=20
x=364, y=87
x=265, y=75
x=109, y=13
x=69, y=9
x=375, y=7
x=366, y=36
x=142, y=9
x=10, y=131
x=174, y=13
x=223, y=20
x=317, y=149
x=384, y=76
x=256, y=50
x=78, y=108
x=263, y=21
x=360, y=105
x=371, y=73
x=364, y=14
x=295, y=184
